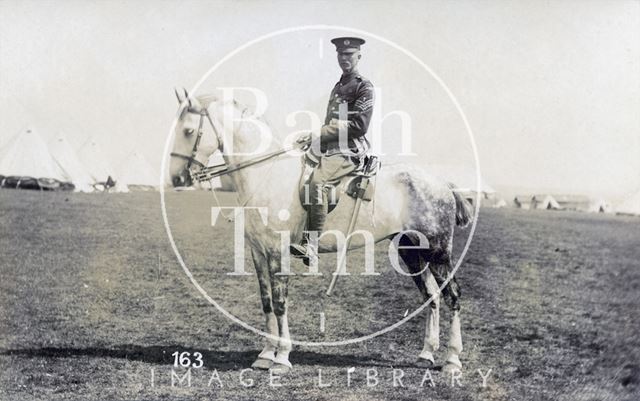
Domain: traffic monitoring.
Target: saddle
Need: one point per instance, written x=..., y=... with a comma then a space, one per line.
x=367, y=166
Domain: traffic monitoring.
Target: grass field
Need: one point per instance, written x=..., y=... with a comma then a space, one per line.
x=92, y=301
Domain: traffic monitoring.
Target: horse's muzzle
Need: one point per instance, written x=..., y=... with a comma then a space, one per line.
x=182, y=180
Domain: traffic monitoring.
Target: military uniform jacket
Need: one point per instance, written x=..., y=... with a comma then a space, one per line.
x=356, y=92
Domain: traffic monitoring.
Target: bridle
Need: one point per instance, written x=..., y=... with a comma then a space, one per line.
x=208, y=173
x=191, y=159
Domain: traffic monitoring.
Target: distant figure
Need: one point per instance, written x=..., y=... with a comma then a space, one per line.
x=110, y=183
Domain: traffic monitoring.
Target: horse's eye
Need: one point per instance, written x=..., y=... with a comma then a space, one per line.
x=188, y=131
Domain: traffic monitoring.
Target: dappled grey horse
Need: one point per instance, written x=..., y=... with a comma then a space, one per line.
x=406, y=199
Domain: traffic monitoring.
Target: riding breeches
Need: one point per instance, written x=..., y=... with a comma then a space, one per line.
x=331, y=168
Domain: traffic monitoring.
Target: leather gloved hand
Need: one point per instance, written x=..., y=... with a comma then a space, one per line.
x=329, y=132
x=339, y=124
x=304, y=138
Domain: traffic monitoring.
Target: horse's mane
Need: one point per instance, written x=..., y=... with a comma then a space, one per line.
x=207, y=99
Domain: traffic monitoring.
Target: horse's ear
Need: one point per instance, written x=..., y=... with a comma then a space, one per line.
x=177, y=96
x=186, y=95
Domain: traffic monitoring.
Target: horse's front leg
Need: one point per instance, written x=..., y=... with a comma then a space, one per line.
x=279, y=290
x=268, y=354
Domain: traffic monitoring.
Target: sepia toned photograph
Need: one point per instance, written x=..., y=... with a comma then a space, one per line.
x=323, y=200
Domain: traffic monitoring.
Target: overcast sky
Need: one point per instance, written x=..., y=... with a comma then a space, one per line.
x=550, y=89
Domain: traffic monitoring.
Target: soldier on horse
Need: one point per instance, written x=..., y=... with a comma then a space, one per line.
x=341, y=145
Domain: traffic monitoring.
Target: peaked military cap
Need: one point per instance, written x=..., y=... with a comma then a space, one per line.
x=347, y=44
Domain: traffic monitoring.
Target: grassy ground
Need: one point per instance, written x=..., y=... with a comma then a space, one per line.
x=92, y=301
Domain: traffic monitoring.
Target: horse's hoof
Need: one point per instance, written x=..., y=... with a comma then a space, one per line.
x=454, y=360
x=425, y=359
x=280, y=368
x=425, y=363
x=450, y=368
x=262, y=364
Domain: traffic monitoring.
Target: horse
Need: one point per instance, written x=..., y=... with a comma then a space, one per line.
x=406, y=199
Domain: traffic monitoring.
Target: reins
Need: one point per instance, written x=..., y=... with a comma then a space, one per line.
x=207, y=173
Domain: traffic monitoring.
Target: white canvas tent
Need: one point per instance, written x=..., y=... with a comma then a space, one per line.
x=546, y=202
x=27, y=154
x=630, y=206
x=69, y=162
x=92, y=158
x=500, y=204
x=522, y=201
x=599, y=206
x=137, y=172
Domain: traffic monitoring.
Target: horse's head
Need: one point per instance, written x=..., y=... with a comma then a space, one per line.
x=191, y=146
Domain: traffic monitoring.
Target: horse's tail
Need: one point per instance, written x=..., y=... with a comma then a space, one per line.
x=464, y=210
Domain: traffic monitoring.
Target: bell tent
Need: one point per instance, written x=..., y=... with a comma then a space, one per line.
x=69, y=162
x=137, y=173
x=26, y=162
x=100, y=170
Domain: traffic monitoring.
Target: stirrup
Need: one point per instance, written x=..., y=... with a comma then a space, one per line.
x=298, y=250
x=303, y=251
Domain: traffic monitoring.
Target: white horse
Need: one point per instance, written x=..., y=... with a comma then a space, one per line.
x=405, y=199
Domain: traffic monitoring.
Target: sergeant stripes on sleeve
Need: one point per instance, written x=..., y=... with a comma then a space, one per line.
x=364, y=105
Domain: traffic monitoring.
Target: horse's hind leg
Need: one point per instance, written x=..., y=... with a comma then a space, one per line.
x=414, y=262
x=454, y=347
x=268, y=354
x=432, y=330
x=429, y=289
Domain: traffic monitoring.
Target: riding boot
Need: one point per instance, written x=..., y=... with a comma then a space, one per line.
x=308, y=247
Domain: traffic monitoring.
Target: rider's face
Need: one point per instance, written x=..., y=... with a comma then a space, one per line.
x=348, y=61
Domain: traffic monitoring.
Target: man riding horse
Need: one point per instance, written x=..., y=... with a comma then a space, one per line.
x=341, y=143
x=413, y=205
